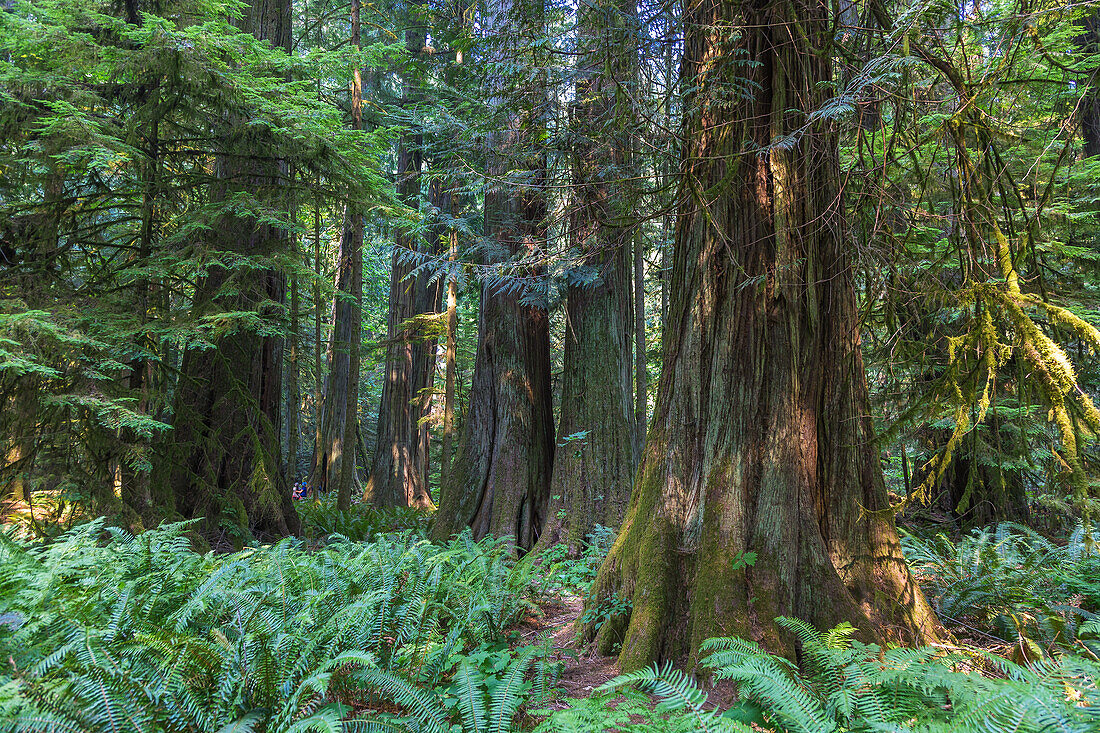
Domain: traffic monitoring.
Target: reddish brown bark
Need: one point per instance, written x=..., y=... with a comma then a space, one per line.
x=594, y=465
x=760, y=493
x=500, y=479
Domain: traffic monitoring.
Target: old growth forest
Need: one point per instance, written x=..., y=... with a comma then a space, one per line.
x=549, y=366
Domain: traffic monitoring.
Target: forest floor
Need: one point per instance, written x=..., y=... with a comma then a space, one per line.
x=584, y=670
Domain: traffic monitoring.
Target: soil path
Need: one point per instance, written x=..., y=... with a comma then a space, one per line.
x=584, y=669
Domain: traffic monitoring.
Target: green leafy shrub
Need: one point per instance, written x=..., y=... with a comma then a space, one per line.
x=104, y=631
x=559, y=572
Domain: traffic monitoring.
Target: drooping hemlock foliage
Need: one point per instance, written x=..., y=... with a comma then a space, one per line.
x=973, y=181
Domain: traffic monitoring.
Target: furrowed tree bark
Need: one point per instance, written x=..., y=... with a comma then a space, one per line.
x=641, y=400
x=335, y=451
x=500, y=479
x=592, y=471
x=399, y=476
x=760, y=493
x=224, y=463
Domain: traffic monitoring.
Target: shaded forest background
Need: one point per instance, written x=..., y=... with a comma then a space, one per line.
x=740, y=280
x=362, y=364
x=185, y=189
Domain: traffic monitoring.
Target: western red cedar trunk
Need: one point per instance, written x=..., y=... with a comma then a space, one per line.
x=399, y=476
x=592, y=471
x=500, y=476
x=338, y=411
x=641, y=400
x=760, y=493
x=224, y=462
x=338, y=418
x=500, y=479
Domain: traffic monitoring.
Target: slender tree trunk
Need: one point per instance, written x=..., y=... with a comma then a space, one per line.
x=133, y=483
x=293, y=390
x=334, y=453
x=641, y=402
x=318, y=380
x=499, y=482
x=760, y=493
x=590, y=483
x=451, y=359
x=399, y=476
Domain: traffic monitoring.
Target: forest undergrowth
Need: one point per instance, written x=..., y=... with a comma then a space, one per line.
x=365, y=625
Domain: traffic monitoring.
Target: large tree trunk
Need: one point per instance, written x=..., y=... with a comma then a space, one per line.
x=293, y=388
x=500, y=479
x=224, y=463
x=760, y=493
x=338, y=418
x=400, y=476
x=592, y=472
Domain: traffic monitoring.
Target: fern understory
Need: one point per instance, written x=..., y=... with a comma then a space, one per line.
x=104, y=631
x=1012, y=590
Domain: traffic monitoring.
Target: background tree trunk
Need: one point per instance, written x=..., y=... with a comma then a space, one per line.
x=760, y=493
x=500, y=479
x=338, y=418
x=592, y=472
x=224, y=461
x=293, y=389
x=400, y=473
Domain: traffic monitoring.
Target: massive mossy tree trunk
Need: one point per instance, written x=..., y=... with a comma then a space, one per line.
x=500, y=479
x=400, y=473
x=338, y=413
x=224, y=460
x=760, y=492
x=593, y=468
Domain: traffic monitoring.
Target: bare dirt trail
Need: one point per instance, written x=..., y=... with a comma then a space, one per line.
x=584, y=669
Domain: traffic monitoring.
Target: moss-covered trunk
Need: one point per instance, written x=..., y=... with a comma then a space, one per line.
x=594, y=464
x=223, y=459
x=760, y=492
